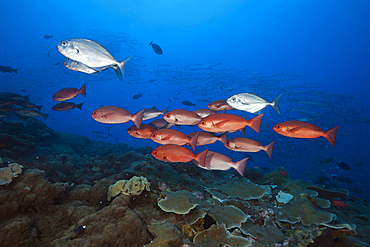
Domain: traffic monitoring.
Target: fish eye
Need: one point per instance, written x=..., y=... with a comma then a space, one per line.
x=164, y=157
x=155, y=152
x=154, y=135
x=202, y=123
x=277, y=126
x=168, y=116
x=94, y=113
x=64, y=43
x=233, y=98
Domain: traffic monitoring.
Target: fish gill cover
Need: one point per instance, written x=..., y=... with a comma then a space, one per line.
x=84, y=86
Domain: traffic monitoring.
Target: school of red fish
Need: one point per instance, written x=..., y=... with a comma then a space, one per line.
x=208, y=120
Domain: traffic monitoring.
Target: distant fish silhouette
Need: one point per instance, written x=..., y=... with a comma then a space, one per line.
x=48, y=36
x=156, y=48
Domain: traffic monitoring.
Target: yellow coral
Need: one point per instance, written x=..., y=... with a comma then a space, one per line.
x=134, y=186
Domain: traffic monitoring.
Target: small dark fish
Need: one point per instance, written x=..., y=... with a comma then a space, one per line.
x=80, y=229
x=188, y=103
x=64, y=159
x=169, y=100
x=343, y=166
x=327, y=160
x=359, y=164
x=48, y=36
x=355, y=190
x=250, y=157
x=137, y=96
x=57, y=63
x=64, y=106
x=343, y=179
x=158, y=96
x=323, y=179
x=23, y=90
x=156, y=48
x=7, y=69
x=265, y=169
x=97, y=132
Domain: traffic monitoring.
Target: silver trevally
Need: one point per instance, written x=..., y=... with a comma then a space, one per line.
x=80, y=67
x=252, y=103
x=92, y=54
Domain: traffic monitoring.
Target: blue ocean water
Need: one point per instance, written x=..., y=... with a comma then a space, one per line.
x=309, y=50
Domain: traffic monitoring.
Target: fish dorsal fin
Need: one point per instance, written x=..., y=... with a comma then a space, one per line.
x=167, y=137
x=154, y=107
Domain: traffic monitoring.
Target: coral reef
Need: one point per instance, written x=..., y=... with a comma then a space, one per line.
x=77, y=192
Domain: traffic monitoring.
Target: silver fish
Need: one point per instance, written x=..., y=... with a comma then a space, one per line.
x=92, y=54
x=153, y=113
x=80, y=67
x=252, y=103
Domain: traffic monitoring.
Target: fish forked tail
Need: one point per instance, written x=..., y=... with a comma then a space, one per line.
x=268, y=149
x=121, y=68
x=164, y=111
x=137, y=117
x=201, y=157
x=255, y=123
x=240, y=166
x=331, y=135
x=193, y=141
x=38, y=107
x=82, y=90
x=45, y=116
x=223, y=138
x=275, y=103
x=79, y=106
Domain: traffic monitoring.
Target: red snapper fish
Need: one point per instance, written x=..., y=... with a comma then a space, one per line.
x=219, y=105
x=63, y=106
x=176, y=153
x=144, y=132
x=116, y=115
x=216, y=161
x=223, y=122
x=69, y=93
x=241, y=144
x=299, y=129
x=205, y=138
x=182, y=117
x=170, y=136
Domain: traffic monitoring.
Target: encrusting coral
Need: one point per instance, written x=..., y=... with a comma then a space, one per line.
x=10, y=172
x=134, y=186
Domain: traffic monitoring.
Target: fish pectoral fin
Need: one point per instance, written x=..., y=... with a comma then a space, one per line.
x=294, y=130
x=107, y=115
x=222, y=123
x=165, y=138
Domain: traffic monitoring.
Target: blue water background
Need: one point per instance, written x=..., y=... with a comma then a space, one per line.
x=325, y=42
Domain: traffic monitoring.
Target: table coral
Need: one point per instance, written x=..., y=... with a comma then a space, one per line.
x=218, y=235
x=302, y=209
x=180, y=202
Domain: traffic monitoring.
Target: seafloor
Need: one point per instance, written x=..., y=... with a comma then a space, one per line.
x=61, y=199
